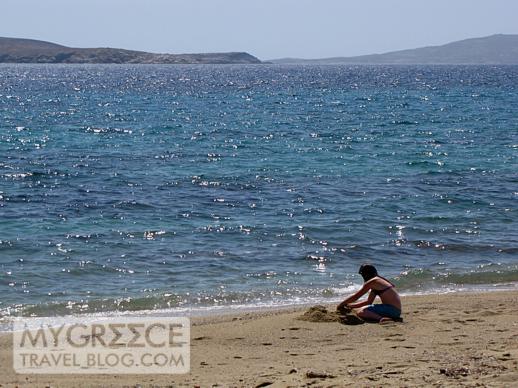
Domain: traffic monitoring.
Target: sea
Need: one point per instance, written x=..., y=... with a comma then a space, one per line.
x=182, y=189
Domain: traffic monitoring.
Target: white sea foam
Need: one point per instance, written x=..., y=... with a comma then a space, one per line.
x=338, y=294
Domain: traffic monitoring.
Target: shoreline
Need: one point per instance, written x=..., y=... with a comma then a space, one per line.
x=217, y=312
x=445, y=339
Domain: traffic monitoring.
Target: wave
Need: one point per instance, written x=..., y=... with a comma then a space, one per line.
x=436, y=280
x=414, y=281
x=177, y=302
x=458, y=247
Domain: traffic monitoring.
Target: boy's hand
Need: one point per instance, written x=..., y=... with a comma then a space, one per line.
x=343, y=308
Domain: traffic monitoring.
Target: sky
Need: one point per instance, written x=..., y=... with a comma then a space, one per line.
x=267, y=29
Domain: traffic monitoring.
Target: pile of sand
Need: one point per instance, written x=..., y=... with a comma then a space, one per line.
x=320, y=313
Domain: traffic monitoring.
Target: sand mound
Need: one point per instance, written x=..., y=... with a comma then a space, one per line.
x=320, y=314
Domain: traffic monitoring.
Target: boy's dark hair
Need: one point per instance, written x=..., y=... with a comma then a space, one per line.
x=368, y=272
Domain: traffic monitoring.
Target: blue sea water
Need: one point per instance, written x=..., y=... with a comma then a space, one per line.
x=183, y=187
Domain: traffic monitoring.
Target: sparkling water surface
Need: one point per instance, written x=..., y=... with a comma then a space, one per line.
x=150, y=187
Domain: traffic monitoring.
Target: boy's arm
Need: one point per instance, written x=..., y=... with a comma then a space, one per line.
x=354, y=297
x=367, y=302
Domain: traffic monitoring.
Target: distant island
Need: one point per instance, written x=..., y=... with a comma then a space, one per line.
x=14, y=50
x=495, y=49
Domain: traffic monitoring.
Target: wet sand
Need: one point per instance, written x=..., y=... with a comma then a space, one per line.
x=461, y=339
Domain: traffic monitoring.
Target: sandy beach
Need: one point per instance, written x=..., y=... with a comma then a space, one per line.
x=461, y=339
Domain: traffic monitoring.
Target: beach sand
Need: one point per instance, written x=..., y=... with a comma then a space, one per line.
x=461, y=339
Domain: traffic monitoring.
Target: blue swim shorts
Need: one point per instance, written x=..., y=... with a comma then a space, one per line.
x=385, y=310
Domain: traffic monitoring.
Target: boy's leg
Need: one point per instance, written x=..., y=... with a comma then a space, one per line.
x=365, y=313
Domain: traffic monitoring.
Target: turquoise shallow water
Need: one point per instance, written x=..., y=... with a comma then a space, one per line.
x=151, y=187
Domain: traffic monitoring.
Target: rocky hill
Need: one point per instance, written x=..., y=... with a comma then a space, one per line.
x=14, y=50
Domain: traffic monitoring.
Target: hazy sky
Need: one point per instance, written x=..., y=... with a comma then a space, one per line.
x=265, y=28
